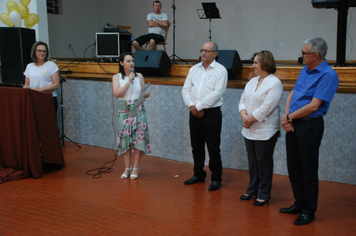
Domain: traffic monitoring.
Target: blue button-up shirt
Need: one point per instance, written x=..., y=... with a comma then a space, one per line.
x=321, y=83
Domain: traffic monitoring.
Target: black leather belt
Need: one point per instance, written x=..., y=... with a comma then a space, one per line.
x=307, y=119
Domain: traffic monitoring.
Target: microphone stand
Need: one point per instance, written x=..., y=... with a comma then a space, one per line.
x=61, y=103
x=174, y=35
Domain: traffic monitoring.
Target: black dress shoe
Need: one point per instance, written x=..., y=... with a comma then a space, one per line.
x=258, y=203
x=245, y=198
x=291, y=210
x=304, y=219
x=215, y=185
x=194, y=180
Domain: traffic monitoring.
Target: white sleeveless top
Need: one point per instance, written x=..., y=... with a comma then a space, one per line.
x=134, y=91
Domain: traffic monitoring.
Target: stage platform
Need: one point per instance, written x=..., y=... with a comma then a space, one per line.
x=287, y=72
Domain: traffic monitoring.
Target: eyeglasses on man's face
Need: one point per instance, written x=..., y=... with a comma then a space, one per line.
x=306, y=53
x=205, y=50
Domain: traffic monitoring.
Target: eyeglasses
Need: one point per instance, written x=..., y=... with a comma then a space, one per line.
x=42, y=51
x=205, y=50
x=305, y=53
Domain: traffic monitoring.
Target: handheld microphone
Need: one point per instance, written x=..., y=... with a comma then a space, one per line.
x=133, y=71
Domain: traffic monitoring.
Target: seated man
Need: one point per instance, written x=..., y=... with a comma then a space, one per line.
x=157, y=23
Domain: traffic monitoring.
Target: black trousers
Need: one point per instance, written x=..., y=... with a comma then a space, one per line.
x=303, y=162
x=55, y=102
x=206, y=130
x=260, y=163
x=147, y=37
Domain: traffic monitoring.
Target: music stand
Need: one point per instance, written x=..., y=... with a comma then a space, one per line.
x=210, y=12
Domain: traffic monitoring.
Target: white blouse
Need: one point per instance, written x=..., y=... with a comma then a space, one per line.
x=263, y=105
x=134, y=91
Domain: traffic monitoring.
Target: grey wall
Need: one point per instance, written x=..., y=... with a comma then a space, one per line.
x=246, y=26
x=89, y=118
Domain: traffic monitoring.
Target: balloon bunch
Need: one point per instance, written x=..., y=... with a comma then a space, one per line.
x=16, y=13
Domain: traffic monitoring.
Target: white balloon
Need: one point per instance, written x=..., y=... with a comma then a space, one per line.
x=15, y=18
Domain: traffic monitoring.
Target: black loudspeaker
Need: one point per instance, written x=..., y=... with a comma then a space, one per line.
x=232, y=62
x=152, y=62
x=15, y=51
x=125, y=39
x=125, y=43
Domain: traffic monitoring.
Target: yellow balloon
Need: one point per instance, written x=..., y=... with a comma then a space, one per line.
x=24, y=11
x=5, y=18
x=25, y=2
x=12, y=6
x=31, y=20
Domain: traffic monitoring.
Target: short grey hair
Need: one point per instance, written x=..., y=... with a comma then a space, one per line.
x=215, y=47
x=318, y=45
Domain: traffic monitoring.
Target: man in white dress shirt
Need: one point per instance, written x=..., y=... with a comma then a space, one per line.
x=202, y=93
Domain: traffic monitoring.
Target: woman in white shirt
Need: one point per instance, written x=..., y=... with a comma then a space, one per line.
x=132, y=122
x=42, y=75
x=259, y=111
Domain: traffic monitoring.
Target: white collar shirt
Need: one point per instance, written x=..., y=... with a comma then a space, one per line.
x=204, y=87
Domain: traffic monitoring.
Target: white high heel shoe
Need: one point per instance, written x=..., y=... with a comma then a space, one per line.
x=125, y=176
x=135, y=176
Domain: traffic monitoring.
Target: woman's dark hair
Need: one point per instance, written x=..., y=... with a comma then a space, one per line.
x=121, y=59
x=267, y=61
x=33, y=51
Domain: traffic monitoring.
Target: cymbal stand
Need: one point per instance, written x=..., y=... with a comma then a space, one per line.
x=61, y=103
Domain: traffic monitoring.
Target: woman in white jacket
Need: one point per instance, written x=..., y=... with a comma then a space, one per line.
x=259, y=111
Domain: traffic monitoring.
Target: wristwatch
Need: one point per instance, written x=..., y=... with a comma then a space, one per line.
x=289, y=119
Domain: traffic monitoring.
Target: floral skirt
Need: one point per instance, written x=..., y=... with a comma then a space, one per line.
x=133, y=128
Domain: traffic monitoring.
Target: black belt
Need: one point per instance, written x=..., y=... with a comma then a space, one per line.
x=307, y=118
x=212, y=109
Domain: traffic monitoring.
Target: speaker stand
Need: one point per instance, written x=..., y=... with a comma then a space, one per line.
x=210, y=29
x=174, y=36
x=61, y=103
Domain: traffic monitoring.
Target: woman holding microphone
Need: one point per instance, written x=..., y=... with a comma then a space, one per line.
x=133, y=137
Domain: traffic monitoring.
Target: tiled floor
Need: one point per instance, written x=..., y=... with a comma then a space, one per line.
x=70, y=202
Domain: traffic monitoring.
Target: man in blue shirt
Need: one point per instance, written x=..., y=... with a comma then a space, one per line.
x=303, y=121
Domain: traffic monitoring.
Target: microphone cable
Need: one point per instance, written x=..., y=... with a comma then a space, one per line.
x=104, y=169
